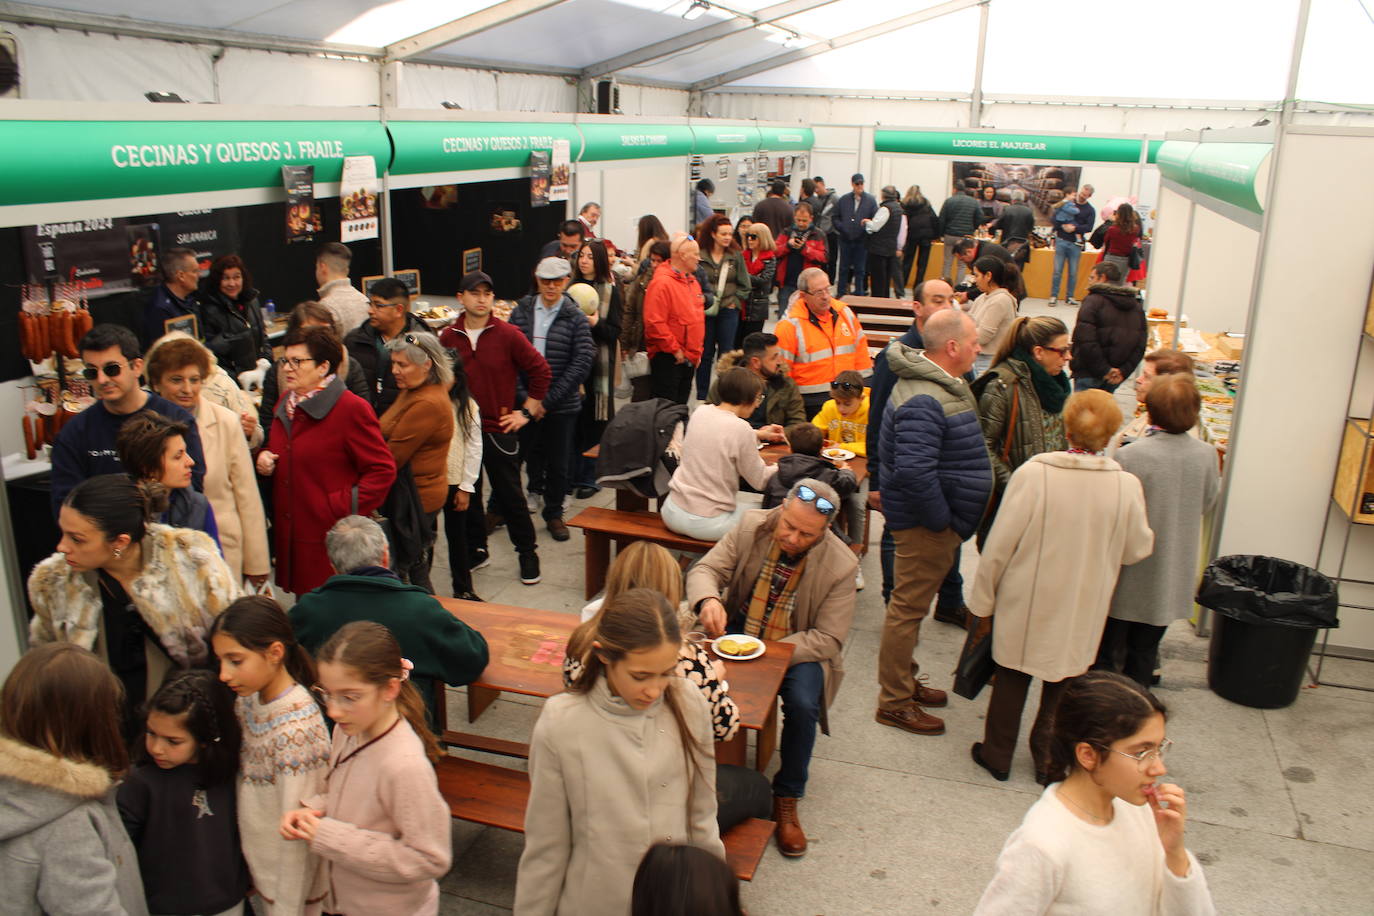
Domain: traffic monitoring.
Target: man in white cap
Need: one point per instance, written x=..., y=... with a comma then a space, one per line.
x=560, y=332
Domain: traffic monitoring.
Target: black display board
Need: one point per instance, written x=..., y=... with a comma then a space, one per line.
x=432, y=232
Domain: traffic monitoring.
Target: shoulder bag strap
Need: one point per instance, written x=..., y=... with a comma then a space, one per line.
x=1012, y=416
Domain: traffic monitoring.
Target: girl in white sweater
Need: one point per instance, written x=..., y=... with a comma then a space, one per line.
x=285, y=749
x=720, y=447
x=621, y=761
x=1106, y=836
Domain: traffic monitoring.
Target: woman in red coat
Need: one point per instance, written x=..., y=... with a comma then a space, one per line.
x=326, y=456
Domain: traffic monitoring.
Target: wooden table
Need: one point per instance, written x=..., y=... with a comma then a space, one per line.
x=526, y=647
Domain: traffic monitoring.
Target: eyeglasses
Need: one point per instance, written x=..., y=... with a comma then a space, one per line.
x=823, y=505
x=1062, y=351
x=294, y=361
x=1143, y=759
x=816, y=292
x=846, y=386
x=412, y=339
x=343, y=701
x=111, y=370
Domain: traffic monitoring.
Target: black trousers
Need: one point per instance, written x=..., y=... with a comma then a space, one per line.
x=501, y=470
x=918, y=251
x=1131, y=649
x=669, y=378
x=547, y=445
x=1008, y=701
x=880, y=275
x=418, y=573
x=741, y=793
x=456, y=532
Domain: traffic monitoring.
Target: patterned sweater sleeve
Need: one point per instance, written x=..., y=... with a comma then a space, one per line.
x=700, y=671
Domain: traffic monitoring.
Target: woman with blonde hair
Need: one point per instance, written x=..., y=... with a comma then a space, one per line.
x=1069, y=521
x=922, y=228
x=1021, y=399
x=761, y=260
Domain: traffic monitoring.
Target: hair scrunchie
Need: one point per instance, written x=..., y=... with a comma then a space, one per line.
x=407, y=666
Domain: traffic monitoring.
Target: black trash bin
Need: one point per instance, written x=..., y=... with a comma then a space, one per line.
x=1267, y=614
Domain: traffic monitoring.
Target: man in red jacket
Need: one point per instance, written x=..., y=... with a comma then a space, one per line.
x=494, y=354
x=800, y=246
x=674, y=322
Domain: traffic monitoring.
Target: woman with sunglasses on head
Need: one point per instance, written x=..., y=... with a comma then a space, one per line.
x=761, y=260
x=326, y=456
x=418, y=428
x=1021, y=400
x=1068, y=522
x=1107, y=835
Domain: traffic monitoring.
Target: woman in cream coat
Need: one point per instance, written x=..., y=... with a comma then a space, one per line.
x=620, y=762
x=1068, y=522
x=177, y=368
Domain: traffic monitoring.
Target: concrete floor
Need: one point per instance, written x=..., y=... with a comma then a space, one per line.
x=1280, y=800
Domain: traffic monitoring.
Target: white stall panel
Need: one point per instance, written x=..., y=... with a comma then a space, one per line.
x=1221, y=267
x=630, y=190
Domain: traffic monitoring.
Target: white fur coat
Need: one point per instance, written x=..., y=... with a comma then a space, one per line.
x=184, y=586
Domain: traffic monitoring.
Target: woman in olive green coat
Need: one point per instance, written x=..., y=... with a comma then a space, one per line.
x=1021, y=400
x=723, y=262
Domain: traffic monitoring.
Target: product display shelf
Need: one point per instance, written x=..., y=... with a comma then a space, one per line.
x=1349, y=531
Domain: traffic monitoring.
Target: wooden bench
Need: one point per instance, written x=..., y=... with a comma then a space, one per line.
x=497, y=796
x=602, y=526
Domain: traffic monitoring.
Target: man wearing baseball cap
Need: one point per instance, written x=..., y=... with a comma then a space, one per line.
x=555, y=325
x=495, y=355
x=852, y=214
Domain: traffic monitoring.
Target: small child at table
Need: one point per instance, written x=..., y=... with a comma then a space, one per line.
x=844, y=418
x=805, y=461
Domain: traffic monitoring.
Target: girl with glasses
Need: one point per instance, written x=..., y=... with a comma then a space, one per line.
x=381, y=826
x=1107, y=836
x=284, y=753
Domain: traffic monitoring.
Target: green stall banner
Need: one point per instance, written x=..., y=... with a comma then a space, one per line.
x=53, y=161
x=782, y=139
x=1153, y=154
x=1235, y=173
x=714, y=140
x=1173, y=159
x=1010, y=146
x=424, y=147
x=608, y=142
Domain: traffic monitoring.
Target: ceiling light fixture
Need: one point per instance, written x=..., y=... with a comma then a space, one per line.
x=792, y=40
x=696, y=10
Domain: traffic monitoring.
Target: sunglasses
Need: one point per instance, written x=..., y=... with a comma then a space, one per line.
x=752, y=237
x=111, y=370
x=846, y=386
x=808, y=495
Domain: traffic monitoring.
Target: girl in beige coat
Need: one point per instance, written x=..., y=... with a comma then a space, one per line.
x=1068, y=522
x=621, y=761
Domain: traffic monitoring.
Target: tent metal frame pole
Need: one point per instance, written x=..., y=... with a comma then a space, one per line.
x=975, y=106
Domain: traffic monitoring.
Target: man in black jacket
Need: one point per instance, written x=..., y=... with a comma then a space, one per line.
x=388, y=314
x=560, y=332
x=1017, y=222
x=882, y=231
x=1111, y=332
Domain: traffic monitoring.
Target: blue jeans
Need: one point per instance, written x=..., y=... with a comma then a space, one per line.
x=853, y=259
x=1065, y=251
x=951, y=590
x=802, y=694
x=1089, y=382
x=719, y=340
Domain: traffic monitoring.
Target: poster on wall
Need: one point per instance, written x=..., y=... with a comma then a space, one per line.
x=302, y=213
x=102, y=256
x=358, y=199
x=562, y=170
x=1044, y=184
x=541, y=170
x=209, y=233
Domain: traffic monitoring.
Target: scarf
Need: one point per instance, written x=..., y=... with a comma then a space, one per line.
x=600, y=381
x=774, y=597
x=294, y=400
x=1051, y=390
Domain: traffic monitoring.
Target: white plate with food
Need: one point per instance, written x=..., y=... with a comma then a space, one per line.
x=837, y=454
x=737, y=647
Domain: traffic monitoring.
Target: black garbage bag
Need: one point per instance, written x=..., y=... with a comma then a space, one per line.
x=1267, y=590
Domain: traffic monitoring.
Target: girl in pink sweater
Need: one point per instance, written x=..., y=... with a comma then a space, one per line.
x=382, y=827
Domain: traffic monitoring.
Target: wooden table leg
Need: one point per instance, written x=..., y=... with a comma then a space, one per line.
x=735, y=751
x=596, y=561
x=626, y=501
x=767, y=740
x=479, y=698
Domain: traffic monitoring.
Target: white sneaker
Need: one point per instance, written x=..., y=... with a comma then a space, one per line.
x=1053, y=303
x=535, y=501
x=859, y=579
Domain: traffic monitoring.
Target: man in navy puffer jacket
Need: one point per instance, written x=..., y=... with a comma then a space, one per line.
x=561, y=334
x=937, y=478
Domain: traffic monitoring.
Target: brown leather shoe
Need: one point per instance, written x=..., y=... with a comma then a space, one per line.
x=791, y=839
x=912, y=718
x=955, y=615
x=929, y=696
x=558, y=529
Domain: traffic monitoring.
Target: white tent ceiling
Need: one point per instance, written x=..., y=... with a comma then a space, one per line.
x=1215, y=49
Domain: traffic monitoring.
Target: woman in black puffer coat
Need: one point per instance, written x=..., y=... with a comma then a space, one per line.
x=231, y=323
x=922, y=228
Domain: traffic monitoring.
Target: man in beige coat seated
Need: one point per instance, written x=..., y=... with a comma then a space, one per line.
x=782, y=574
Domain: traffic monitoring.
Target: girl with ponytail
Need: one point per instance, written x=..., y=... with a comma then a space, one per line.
x=382, y=826
x=178, y=803
x=1107, y=835
x=621, y=761
x=139, y=594
x=285, y=748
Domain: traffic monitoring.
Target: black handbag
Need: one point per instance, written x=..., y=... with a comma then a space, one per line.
x=1133, y=259
x=975, y=666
